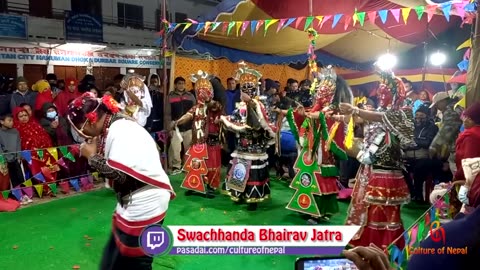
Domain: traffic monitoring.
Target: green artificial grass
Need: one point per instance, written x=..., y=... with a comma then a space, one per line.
x=72, y=231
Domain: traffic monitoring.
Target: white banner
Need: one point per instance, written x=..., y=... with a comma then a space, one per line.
x=41, y=56
x=266, y=236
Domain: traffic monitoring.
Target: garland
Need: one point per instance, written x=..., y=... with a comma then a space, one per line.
x=334, y=148
x=293, y=125
x=312, y=64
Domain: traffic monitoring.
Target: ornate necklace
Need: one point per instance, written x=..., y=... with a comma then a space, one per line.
x=106, y=125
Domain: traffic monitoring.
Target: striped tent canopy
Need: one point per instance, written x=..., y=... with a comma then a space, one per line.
x=344, y=45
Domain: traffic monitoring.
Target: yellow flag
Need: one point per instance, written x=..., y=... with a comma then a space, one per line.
x=355, y=18
x=28, y=183
x=466, y=44
x=405, y=14
x=320, y=19
x=187, y=25
x=39, y=189
x=239, y=26
x=54, y=152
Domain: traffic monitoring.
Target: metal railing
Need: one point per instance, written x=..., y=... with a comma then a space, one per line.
x=59, y=14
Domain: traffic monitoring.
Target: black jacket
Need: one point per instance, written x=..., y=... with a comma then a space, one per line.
x=424, y=135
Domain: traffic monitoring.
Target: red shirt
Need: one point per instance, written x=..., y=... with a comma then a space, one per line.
x=466, y=147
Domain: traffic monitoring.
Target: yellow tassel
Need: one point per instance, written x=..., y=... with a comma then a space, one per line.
x=348, y=142
x=331, y=135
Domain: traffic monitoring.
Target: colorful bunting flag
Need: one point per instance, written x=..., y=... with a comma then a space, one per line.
x=419, y=10
x=268, y=23
x=405, y=14
x=281, y=24
x=28, y=183
x=446, y=9
x=253, y=26
x=290, y=21
x=383, y=15
x=372, y=15
x=27, y=155
x=430, y=12
x=28, y=191
x=39, y=189
x=298, y=21
x=17, y=193
x=308, y=22
x=199, y=27
x=361, y=18
x=207, y=26
x=238, y=27
x=39, y=177
x=319, y=19
x=259, y=24
x=53, y=188
x=53, y=152
x=466, y=44
x=244, y=27
x=5, y=194
x=187, y=25
x=396, y=14
x=2, y=160
x=336, y=19
x=74, y=183
x=325, y=19
x=65, y=187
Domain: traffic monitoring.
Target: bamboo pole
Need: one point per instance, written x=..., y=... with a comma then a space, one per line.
x=473, y=82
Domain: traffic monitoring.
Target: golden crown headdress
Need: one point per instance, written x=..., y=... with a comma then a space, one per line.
x=201, y=80
x=245, y=74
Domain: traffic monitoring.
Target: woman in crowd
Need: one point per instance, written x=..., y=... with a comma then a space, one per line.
x=114, y=144
x=55, y=125
x=34, y=137
x=380, y=188
x=467, y=147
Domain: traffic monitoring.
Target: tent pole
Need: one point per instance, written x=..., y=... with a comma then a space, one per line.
x=165, y=79
x=473, y=94
x=310, y=7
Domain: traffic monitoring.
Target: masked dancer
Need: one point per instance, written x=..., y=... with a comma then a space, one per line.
x=203, y=162
x=380, y=188
x=248, y=177
x=117, y=147
x=136, y=101
x=321, y=140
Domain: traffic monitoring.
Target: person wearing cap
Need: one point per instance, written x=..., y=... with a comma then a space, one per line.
x=417, y=157
x=22, y=94
x=443, y=145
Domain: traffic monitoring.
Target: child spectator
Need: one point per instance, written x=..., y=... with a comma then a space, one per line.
x=10, y=146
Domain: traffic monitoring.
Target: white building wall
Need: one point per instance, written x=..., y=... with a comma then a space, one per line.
x=60, y=4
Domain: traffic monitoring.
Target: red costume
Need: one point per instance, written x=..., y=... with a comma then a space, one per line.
x=66, y=96
x=34, y=137
x=203, y=164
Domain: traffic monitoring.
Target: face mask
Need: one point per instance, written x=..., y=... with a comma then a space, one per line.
x=462, y=195
x=51, y=115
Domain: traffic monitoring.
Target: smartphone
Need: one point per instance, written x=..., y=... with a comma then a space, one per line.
x=325, y=263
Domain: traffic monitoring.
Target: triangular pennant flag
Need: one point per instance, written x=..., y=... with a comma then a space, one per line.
x=27, y=155
x=61, y=162
x=259, y=24
x=28, y=191
x=447, y=8
x=238, y=27
x=308, y=22
x=319, y=19
x=336, y=19
x=53, y=188
x=463, y=66
x=205, y=30
x=74, y=183
x=361, y=18
x=405, y=14
x=253, y=26
x=413, y=235
x=244, y=27
x=466, y=44
x=325, y=19
x=298, y=21
x=348, y=20
x=63, y=150
x=430, y=12
x=85, y=183
x=5, y=194
x=2, y=160
x=466, y=55
x=39, y=177
x=64, y=187
x=199, y=27
x=70, y=156
x=172, y=27
x=419, y=10
x=354, y=17
x=460, y=9
x=17, y=193
x=39, y=189
x=289, y=21
x=224, y=27
x=187, y=25
x=281, y=24
x=53, y=152
x=268, y=24
x=383, y=15
x=95, y=174
x=372, y=15
x=215, y=26
x=28, y=183
x=396, y=14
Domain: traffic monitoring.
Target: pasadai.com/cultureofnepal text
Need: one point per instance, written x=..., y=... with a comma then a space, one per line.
x=439, y=251
x=229, y=250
